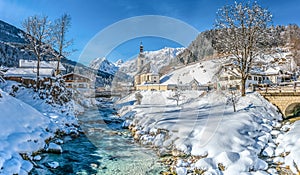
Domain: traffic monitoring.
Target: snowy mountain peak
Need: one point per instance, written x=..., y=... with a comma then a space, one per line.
x=119, y=62
x=104, y=65
x=158, y=58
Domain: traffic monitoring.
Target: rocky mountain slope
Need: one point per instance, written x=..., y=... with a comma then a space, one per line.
x=104, y=65
x=201, y=48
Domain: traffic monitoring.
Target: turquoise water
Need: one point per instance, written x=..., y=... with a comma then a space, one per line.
x=105, y=148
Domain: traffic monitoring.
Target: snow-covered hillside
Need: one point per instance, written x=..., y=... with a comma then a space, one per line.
x=203, y=72
x=207, y=71
x=157, y=58
x=104, y=65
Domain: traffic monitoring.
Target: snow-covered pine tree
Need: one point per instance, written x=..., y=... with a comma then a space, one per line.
x=55, y=91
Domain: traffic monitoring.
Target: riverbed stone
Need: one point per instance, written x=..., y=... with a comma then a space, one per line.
x=54, y=148
x=53, y=164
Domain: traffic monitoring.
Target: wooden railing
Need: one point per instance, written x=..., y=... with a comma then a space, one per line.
x=281, y=88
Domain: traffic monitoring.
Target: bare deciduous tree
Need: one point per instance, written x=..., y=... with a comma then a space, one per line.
x=37, y=33
x=177, y=96
x=293, y=34
x=242, y=30
x=233, y=98
x=59, y=31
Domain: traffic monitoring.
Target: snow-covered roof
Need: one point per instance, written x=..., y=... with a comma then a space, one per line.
x=271, y=71
x=195, y=81
x=28, y=72
x=202, y=72
x=54, y=65
x=43, y=64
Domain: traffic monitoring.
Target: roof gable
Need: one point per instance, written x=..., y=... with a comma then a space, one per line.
x=72, y=74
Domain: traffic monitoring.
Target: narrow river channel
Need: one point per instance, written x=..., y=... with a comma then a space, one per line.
x=105, y=148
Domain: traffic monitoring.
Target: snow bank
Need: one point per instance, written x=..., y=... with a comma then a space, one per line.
x=289, y=145
x=206, y=126
x=59, y=115
x=22, y=130
x=27, y=121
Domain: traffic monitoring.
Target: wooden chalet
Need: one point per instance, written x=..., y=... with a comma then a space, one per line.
x=74, y=80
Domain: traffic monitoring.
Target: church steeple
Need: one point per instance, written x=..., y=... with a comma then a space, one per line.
x=141, y=58
x=141, y=48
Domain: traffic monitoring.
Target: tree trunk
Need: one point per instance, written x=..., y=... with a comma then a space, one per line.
x=243, y=88
x=38, y=74
x=57, y=68
x=233, y=104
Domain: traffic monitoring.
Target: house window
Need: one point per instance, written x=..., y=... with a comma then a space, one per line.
x=255, y=78
x=225, y=78
x=222, y=78
x=249, y=77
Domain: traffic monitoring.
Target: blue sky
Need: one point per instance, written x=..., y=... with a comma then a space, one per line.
x=90, y=17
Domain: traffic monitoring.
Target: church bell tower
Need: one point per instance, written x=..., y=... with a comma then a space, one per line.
x=141, y=58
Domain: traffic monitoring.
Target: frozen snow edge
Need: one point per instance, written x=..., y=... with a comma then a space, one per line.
x=29, y=125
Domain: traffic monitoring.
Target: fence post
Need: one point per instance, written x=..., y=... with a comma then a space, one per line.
x=279, y=89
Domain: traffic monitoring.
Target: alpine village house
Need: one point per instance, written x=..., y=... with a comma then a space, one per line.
x=27, y=70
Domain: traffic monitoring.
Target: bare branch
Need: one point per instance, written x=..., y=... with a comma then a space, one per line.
x=242, y=30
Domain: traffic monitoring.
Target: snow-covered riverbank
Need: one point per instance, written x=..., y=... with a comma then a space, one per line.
x=287, y=153
x=29, y=124
x=204, y=127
